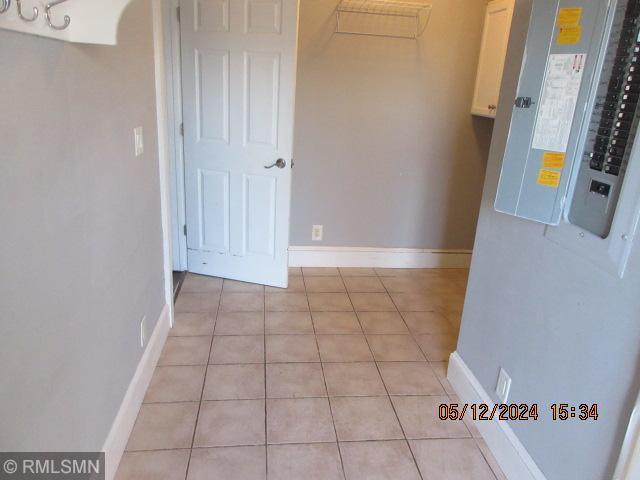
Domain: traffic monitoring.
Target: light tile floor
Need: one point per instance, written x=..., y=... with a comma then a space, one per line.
x=337, y=377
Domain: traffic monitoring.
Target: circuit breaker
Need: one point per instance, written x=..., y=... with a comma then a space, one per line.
x=570, y=158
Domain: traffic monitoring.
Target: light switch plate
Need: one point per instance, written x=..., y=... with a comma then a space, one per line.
x=138, y=136
x=503, y=386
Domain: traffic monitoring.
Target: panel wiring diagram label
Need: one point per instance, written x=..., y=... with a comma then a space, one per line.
x=570, y=35
x=558, y=102
x=549, y=178
x=569, y=17
x=553, y=160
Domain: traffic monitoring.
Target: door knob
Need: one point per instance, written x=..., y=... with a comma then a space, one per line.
x=280, y=163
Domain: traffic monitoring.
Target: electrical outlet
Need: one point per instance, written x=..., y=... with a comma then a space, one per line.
x=316, y=233
x=503, y=386
x=143, y=331
x=138, y=138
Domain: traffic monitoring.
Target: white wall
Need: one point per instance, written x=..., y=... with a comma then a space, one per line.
x=386, y=151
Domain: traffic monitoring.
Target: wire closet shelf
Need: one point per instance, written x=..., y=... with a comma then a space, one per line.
x=383, y=18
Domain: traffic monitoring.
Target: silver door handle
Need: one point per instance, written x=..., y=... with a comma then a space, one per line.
x=280, y=163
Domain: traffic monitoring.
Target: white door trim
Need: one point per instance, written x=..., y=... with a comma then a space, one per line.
x=173, y=77
x=628, y=467
x=378, y=257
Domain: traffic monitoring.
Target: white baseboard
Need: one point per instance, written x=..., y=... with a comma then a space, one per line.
x=121, y=428
x=378, y=257
x=511, y=455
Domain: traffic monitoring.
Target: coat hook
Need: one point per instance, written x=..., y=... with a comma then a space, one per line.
x=4, y=5
x=35, y=12
x=47, y=13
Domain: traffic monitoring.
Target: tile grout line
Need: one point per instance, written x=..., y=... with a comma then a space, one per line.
x=204, y=382
x=324, y=379
x=264, y=369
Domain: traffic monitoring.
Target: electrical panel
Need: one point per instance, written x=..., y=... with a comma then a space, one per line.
x=572, y=159
x=612, y=126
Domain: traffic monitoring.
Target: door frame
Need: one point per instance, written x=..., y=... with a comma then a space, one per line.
x=173, y=79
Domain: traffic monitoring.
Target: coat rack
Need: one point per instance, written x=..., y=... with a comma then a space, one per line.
x=81, y=21
x=383, y=18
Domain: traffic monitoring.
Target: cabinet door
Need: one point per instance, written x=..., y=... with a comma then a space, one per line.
x=495, y=37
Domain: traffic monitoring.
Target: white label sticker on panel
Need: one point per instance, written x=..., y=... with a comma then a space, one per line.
x=558, y=103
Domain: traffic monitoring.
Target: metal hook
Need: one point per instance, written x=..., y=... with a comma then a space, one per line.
x=47, y=11
x=35, y=12
x=5, y=5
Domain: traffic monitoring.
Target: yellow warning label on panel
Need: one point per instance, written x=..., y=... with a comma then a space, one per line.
x=549, y=178
x=553, y=160
x=569, y=35
x=569, y=17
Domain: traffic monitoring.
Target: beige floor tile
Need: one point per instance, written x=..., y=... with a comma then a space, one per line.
x=291, y=348
x=163, y=426
x=200, y=284
x=242, y=287
x=193, y=325
x=471, y=425
x=176, y=384
x=319, y=272
x=353, y=379
x=240, y=323
x=450, y=459
x=414, y=302
x=395, y=272
x=228, y=463
x=336, y=323
x=319, y=461
x=230, y=423
x=390, y=460
x=295, y=272
x=241, y=302
x=234, y=382
x=365, y=418
x=301, y=420
x=437, y=348
x=344, y=348
x=287, y=302
x=324, y=285
x=488, y=456
x=403, y=285
x=410, y=378
x=329, y=302
x=364, y=285
x=296, y=285
x=185, y=351
x=440, y=369
x=239, y=349
x=372, y=302
x=395, y=348
x=284, y=323
x=382, y=323
x=154, y=465
x=357, y=272
x=197, y=302
x=427, y=323
x=419, y=416
x=295, y=380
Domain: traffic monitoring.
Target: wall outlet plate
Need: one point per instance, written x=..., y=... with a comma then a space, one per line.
x=138, y=138
x=503, y=386
x=317, y=233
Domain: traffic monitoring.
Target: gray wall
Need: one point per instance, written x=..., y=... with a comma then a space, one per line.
x=564, y=330
x=81, y=251
x=386, y=151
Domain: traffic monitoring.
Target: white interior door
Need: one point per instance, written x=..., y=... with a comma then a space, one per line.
x=239, y=68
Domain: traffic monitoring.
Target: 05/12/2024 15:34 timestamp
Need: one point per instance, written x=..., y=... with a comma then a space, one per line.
x=514, y=411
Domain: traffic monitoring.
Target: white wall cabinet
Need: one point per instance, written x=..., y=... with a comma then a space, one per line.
x=495, y=38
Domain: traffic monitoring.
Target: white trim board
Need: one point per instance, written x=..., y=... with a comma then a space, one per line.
x=378, y=257
x=511, y=455
x=122, y=425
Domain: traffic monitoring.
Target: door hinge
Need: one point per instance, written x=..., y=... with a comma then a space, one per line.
x=184, y=229
x=178, y=13
x=182, y=129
